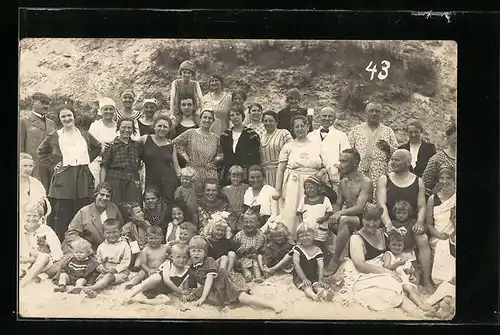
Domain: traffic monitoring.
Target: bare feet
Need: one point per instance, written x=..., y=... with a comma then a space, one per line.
x=331, y=268
x=425, y=307
x=259, y=280
x=278, y=308
x=60, y=288
x=90, y=293
x=37, y=280
x=75, y=290
x=328, y=295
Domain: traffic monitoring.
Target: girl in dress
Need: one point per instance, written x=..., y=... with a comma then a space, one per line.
x=308, y=266
x=277, y=253
x=185, y=85
x=210, y=202
x=219, y=244
x=218, y=101
x=235, y=196
x=187, y=193
x=216, y=285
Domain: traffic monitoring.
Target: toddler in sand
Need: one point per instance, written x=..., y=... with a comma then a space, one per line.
x=79, y=270
x=114, y=257
x=151, y=257
x=277, y=253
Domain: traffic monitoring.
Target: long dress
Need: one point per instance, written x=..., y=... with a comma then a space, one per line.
x=302, y=160
x=270, y=147
x=220, y=107
x=374, y=162
x=160, y=172
x=201, y=150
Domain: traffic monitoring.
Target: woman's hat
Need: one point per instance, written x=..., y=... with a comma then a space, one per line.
x=187, y=65
x=128, y=92
x=106, y=102
x=150, y=101
x=294, y=93
x=313, y=179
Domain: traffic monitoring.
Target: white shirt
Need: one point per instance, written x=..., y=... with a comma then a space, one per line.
x=332, y=145
x=268, y=206
x=312, y=212
x=29, y=241
x=74, y=148
x=414, y=148
x=236, y=138
x=101, y=132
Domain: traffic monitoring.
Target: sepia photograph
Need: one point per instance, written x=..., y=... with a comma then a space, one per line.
x=237, y=179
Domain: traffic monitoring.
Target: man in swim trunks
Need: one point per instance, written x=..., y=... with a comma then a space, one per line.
x=355, y=190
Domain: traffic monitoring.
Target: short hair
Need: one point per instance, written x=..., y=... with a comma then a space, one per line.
x=256, y=168
x=191, y=227
x=238, y=109
x=155, y=230
x=449, y=170
x=177, y=203
x=251, y=212
x=207, y=111
x=198, y=241
x=241, y=92
x=402, y=204
x=299, y=117
x=181, y=247
x=186, y=96
x=23, y=155
x=211, y=181
x=103, y=186
x=415, y=123
x=451, y=129
x=255, y=104
x=218, y=77
x=279, y=228
x=394, y=235
x=353, y=152
x=270, y=113
x=236, y=169
x=110, y=223
x=151, y=189
x=372, y=211
x=305, y=228
x=39, y=96
x=123, y=119
x=187, y=172
x=163, y=117
x=81, y=244
x=65, y=107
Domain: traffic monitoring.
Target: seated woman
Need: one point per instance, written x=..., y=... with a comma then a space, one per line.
x=210, y=202
x=371, y=284
x=40, y=247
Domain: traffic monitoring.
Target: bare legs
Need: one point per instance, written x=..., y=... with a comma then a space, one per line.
x=247, y=299
x=138, y=278
x=343, y=229
x=40, y=263
x=424, y=259
x=63, y=282
x=147, y=284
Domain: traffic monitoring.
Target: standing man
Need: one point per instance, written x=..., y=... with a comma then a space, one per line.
x=355, y=191
x=33, y=129
x=332, y=143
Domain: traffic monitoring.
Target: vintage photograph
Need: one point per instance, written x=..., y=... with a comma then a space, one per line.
x=237, y=179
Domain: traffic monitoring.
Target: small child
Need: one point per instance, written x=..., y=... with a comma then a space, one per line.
x=252, y=242
x=185, y=85
x=396, y=261
x=187, y=193
x=216, y=285
x=308, y=266
x=42, y=245
x=186, y=231
x=403, y=223
x=172, y=278
x=135, y=231
x=114, y=258
x=79, y=270
x=151, y=257
x=235, y=193
x=314, y=210
x=277, y=253
x=178, y=215
x=219, y=245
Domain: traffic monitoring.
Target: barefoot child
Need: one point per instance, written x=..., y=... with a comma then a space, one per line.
x=185, y=85
x=79, y=270
x=151, y=257
x=308, y=266
x=252, y=242
x=114, y=257
x=219, y=245
x=187, y=193
x=135, y=231
x=171, y=279
x=216, y=285
x=395, y=260
x=277, y=253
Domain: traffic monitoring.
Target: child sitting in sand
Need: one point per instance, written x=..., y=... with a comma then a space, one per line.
x=79, y=270
x=151, y=257
x=395, y=260
x=277, y=253
x=173, y=278
x=314, y=210
x=308, y=265
x=186, y=231
x=114, y=257
x=186, y=192
x=185, y=85
x=252, y=242
x=177, y=214
x=216, y=285
x=135, y=231
x=219, y=245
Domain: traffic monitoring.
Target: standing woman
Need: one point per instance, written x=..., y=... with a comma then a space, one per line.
x=128, y=99
x=420, y=150
x=160, y=158
x=68, y=152
x=218, y=101
x=298, y=160
x=271, y=144
x=104, y=130
x=146, y=121
x=255, y=119
x=199, y=147
x=121, y=163
x=292, y=109
x=186, y=118
x=375, y=143
x=239, y=145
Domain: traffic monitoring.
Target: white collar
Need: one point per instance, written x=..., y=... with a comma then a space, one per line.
x=39, y=115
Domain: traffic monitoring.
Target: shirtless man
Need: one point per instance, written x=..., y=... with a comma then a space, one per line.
x=401, y=184
x=355, y=190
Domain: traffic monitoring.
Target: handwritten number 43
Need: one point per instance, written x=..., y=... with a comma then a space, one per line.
x=382, y=74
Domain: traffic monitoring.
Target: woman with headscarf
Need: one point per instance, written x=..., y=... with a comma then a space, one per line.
x=128, y=99
x=104, y=130
x=421, y=151
x=375, y=143
x=292, y=109
x=147, y=119
x=219, y=102
x=185, y=85
x=68, y=152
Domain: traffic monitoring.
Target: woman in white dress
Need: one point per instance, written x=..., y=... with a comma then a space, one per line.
x=219, y=102
x=31, y=190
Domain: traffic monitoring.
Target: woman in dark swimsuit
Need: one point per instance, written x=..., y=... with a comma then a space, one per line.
x=147, y=120
x=160, y=159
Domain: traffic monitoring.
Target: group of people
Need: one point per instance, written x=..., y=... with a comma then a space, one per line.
x=212, y=194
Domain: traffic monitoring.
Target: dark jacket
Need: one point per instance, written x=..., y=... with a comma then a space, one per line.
x=426, y=151
x=247, y=150
x=285, y=119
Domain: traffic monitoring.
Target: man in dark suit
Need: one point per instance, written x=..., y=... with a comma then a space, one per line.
x=33, y=130
x=420, y=150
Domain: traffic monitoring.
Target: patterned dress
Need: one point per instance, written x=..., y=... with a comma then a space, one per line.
x=259, y=128
x=251, y=246
x=207, y=208
x=270, y=147
x=220, y=107
x=431, y=172
x=235, y=198
x=374, y=162
x=201, y=150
